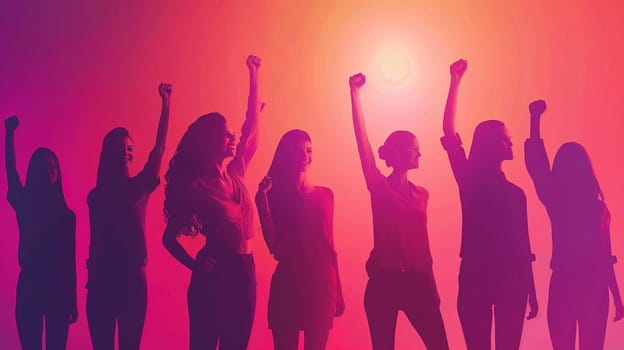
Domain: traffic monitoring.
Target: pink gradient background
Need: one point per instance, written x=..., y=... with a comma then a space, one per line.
x=72, y=70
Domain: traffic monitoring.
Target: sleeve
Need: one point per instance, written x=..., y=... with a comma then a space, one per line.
x=457, y=156
x=538, y=166
x=148, y=179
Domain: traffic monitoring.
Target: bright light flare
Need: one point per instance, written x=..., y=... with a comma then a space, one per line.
x=394, y=63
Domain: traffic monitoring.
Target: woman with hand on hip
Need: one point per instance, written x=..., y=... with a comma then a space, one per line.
x=205, y=195
x=297, y=224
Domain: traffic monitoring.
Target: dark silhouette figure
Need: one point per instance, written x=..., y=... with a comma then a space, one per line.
x=205, y=195
x=117, y=288
x=582, y=265
x=400, y=264
x=496, y=273
x=46, y=289
x=297, y=224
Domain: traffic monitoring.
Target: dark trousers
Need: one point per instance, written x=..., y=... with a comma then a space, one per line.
x=482, y=292
x=120, y=301
x=414, y=293
x=33, y=306
x=578, y=299
x=222, y=303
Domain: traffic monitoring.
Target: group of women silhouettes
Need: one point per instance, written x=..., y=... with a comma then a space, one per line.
x=205, y=194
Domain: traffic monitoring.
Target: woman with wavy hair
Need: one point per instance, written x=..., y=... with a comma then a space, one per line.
x=297, y=225
x=205, y=195
x=117, y=285
x=46, y=288
x=581, y=263
x=496, y=274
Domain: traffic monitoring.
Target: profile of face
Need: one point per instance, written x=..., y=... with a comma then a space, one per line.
x=492, y=142
x=227, y=144
x=52, y=168
x=401, y=151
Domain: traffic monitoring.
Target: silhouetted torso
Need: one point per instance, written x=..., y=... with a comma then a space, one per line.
x=117, y=216
x=304, y=286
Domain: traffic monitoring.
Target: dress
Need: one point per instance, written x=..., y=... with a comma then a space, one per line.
x=304, y=285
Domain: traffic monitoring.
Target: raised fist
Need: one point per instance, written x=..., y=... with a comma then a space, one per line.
x=537, y=107
x=458, y=68
x=164, y=90
x=11, y=123
x=356, y=81
x=253, y=63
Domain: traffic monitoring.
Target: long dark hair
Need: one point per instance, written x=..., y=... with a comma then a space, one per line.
x=573, y=173
x=281, y=166
x=486, y=134
x=109, y=168
x=184, y=167
x=38, y=187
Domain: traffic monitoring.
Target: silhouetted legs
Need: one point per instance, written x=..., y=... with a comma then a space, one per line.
x=480, y=295
x=222, y=304
x=414, y=293
x=34, y=305
x=577, y=298
x=313, y=339
x=122, y=303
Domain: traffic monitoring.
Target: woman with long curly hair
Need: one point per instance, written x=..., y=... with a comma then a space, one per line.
x=581, y=263
x=117, y=285
x=46, y=288
x=297, y=225
x=205, y=195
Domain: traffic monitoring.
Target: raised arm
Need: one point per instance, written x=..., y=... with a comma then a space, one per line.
x=170, y=241
x=367, y=157
x=155, y=160
x=458, y=68
x=14, y=182
x=264, y=211
x=535, y=157
x=249, y=137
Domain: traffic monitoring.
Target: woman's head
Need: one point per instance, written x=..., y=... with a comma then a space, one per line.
x=401, y=150
x=491, y=142
x=207, y=139
x=116, y=156
x=293, y=155
x=572, y=170
x=44, y=174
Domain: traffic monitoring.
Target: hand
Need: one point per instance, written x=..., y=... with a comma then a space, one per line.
x=11, y=123
x=340, y=306
x=619, y=311
x=458, y=68
x=357, y=81
x=164, y=90
x=73, y=316
x=533, y=307
x=537, y=107
x=265, y=184
x=253, y=63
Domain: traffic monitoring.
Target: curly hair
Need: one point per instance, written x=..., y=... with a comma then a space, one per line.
x=184, y=168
